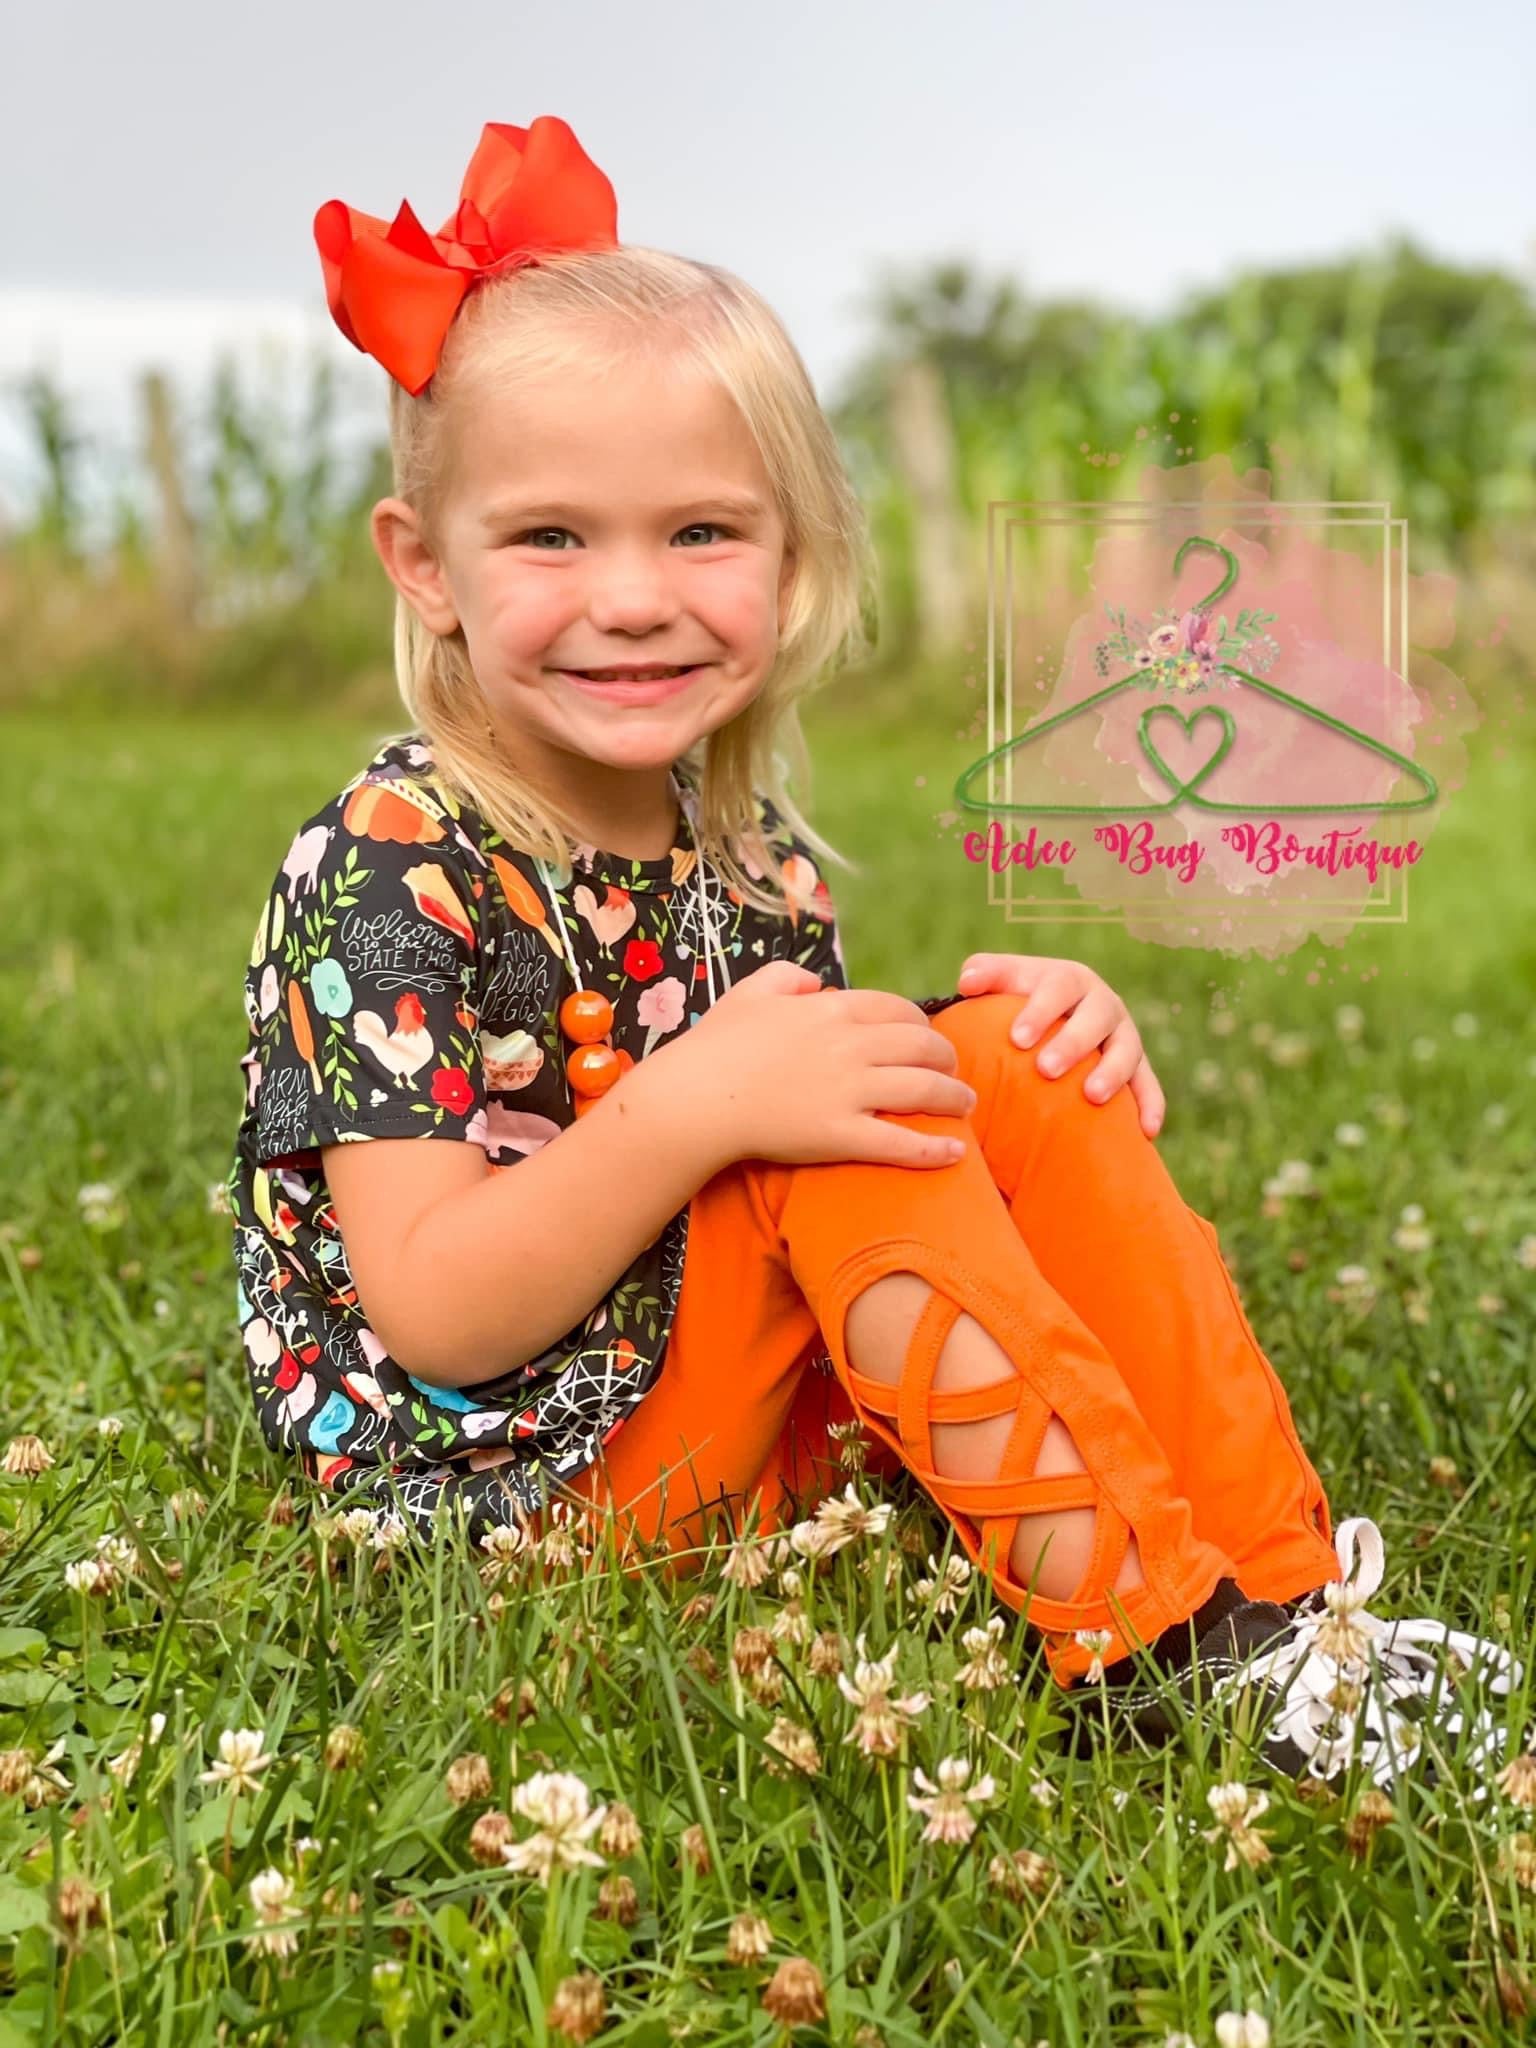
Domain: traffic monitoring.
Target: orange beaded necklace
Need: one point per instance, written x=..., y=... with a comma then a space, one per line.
x=586, y=1014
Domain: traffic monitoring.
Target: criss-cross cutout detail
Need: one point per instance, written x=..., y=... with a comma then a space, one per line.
x=987, y=1512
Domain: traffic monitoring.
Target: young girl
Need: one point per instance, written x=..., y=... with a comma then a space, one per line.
x=573, y=923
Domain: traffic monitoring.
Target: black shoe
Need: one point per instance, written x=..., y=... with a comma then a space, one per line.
x=1155, y=1707
x=1330, y=1677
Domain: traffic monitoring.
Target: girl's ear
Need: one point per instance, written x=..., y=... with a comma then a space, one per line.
x=411, y=565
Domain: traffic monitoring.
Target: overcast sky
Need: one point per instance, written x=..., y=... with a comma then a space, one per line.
x=162, y=162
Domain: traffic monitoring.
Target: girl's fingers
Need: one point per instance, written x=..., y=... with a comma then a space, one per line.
x=1051, y=997
x=1121, y=1057
x=1150, y=1099
x=1088, y=1026
x=885, y=1144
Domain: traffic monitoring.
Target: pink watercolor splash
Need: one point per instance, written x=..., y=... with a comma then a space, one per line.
x=1330, y=600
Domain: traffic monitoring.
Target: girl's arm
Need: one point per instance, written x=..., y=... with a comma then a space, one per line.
x=466, y=1271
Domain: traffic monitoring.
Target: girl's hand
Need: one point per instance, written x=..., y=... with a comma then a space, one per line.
x=1058, y=988
x=785, y=1069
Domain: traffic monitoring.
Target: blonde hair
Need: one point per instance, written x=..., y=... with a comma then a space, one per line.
x=588, y=308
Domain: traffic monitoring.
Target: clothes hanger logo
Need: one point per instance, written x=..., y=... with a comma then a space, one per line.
x=1186, y=656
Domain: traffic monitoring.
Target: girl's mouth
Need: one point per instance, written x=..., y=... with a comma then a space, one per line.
x=622, y=689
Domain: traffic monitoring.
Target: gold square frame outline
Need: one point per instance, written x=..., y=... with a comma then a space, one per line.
x=1089, y=512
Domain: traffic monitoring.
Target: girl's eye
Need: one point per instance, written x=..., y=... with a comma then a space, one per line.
x=537, y=533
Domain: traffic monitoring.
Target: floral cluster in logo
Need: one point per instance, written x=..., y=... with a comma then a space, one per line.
x=1186, y=651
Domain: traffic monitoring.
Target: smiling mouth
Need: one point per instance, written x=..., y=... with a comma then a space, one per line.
x=656, y=674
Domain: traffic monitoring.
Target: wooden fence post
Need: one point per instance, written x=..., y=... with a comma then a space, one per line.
x=176, y=545
x=923, y=442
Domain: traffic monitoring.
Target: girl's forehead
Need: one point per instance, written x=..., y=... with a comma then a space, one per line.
x=630, y=432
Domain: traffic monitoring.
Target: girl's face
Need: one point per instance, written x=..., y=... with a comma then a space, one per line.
x=599, y=522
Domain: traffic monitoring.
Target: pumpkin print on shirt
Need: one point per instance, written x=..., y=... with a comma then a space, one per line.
x=404, y=980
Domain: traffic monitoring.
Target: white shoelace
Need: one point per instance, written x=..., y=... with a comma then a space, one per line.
x=1323, y=1670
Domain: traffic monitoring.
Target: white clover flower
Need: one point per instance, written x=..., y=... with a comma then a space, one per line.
x=1247, y=2029
x=1413, y=1234
x=241, y=1757
x=1525, y=1253
x=90, y=1575
x=947, y=1586
x=948, y=1803
x=747, y=1563
x=1290, y=1049
x=1293, y=1178
x=1236, y=1808
x=1464, y=1024
x=986, y=1668
x=814, y=1539
x=852, y=1442
x=1349, y=1021
x=271, y=1895
x=218, y=1198
x=563, y=1541
x=845, y=1518
x=391, y=1531
x=270, y=1892
x=878, y=1726
x=98, y=1203
x=1352, y=1136
x=356, y=1525
x=1236, y=1804
x=560, y=1805
x=125, y=1764
x=1423, y=1050
x=505, y=1541
x=110, y=1427
x=118, y=1552
x=1095, y=1641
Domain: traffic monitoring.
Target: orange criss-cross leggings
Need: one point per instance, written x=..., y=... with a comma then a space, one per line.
x=1061, y=1232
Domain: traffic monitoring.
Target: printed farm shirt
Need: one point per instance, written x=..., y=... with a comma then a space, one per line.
x=394, y=990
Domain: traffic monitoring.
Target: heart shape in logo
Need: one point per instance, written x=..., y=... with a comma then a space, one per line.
x=1207, y=768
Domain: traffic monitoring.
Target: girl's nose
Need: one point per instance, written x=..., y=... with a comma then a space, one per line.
x=630, y=593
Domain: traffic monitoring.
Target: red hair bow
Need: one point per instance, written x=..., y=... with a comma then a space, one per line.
x=394, y=289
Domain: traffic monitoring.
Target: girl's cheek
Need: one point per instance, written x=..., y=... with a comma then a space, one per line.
x=527, y=616
x=742, y=611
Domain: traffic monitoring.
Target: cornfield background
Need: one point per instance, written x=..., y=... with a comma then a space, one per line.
x=234, y=568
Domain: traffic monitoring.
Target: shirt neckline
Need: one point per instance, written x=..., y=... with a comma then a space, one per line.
x=620, y=870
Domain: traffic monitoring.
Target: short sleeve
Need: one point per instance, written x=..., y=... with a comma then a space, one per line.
x=362, y=993
x=812, y=938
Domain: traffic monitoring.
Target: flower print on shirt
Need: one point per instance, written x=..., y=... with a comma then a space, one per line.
x=405, y=981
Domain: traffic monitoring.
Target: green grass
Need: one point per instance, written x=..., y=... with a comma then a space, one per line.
x=136, y=855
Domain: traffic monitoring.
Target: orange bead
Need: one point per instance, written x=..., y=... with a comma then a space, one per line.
x=592, y=1069
x=626, y=1059
x=586, y=1016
